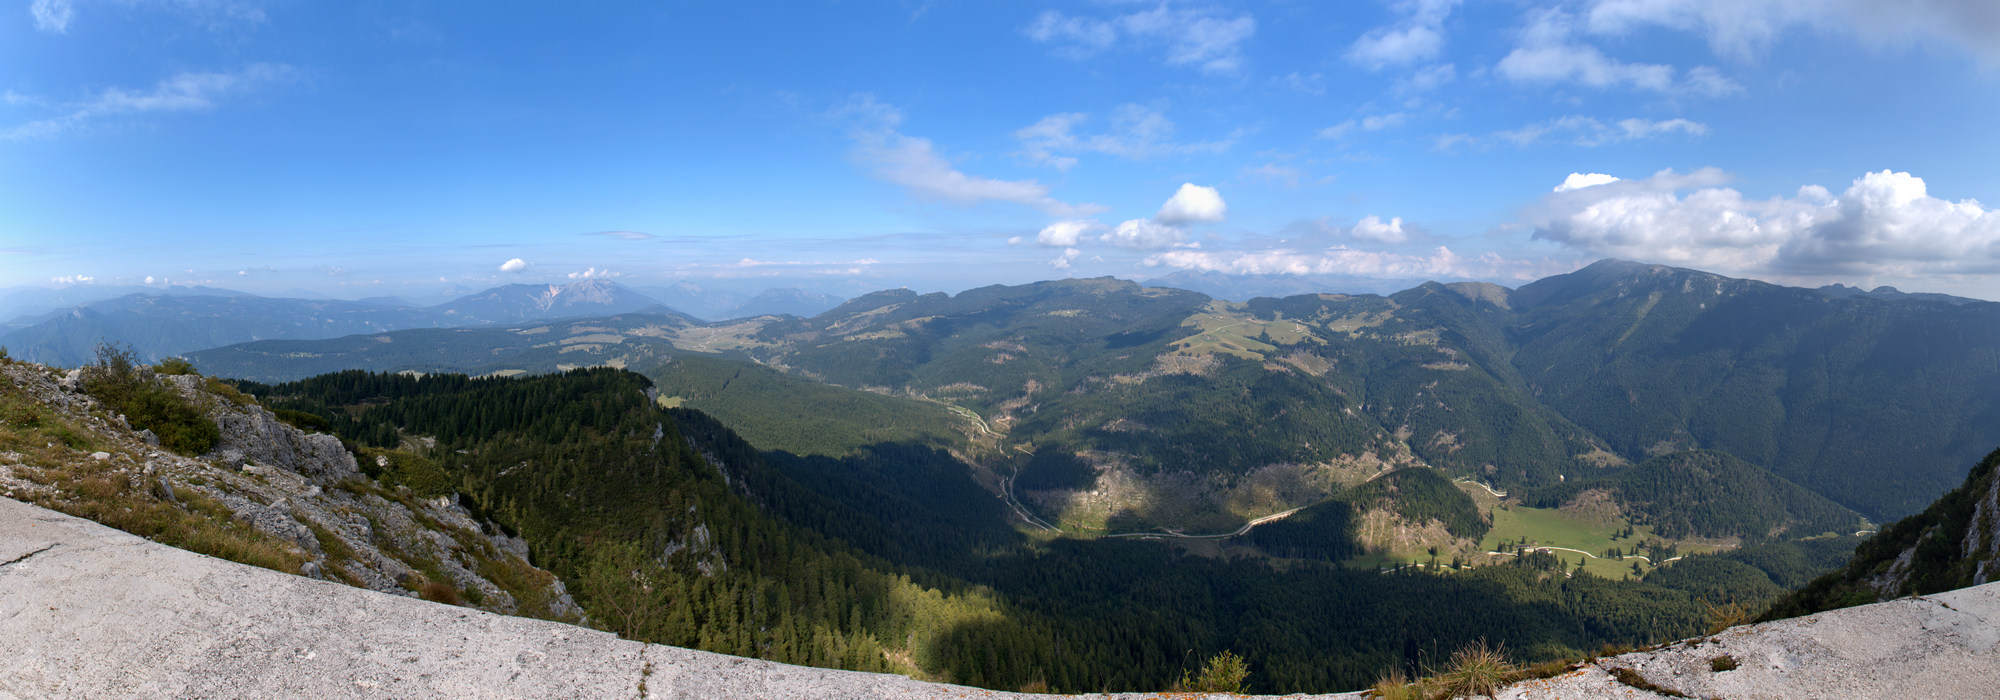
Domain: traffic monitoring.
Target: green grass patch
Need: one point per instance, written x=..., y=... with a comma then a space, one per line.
x=778, y=412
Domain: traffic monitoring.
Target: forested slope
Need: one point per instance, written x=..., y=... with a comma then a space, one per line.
x=669, y=528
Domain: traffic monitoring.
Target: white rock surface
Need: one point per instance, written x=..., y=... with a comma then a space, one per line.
x=1937, y=646
x=91, y=612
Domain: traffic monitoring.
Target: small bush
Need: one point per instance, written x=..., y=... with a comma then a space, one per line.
x=174, y=366
x=229, y=391
x=1224, y=673
x=117, y=380
x=1722, y=663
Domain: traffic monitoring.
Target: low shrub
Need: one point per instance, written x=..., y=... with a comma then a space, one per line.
x=121, y=384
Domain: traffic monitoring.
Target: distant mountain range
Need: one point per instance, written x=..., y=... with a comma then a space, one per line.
x=159, y=322
x=26, y=306
x=717, y=304
x=1195, y=412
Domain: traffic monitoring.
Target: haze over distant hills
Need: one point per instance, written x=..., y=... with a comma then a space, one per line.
x=160, y=322
x=1183, y=411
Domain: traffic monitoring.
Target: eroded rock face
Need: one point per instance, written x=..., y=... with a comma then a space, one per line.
x=254, y=435
x=302, y=489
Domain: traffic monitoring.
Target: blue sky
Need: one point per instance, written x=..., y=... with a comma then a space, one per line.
x=410, y=148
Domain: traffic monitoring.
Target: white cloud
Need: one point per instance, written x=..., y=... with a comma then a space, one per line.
x=514, y=265
x=1548, y=53
x=1373, y=122
x=1062, y=262
x=1428, y=79
x=1310, y=84
x=1144, y=234
x=1885, y=222
x=1745, y=28
x=184, y=92
x=915, y=164
x=52, y=15
x=1418, y=37
x=1441, y=263
x=1577, y=181
x=73, y=279
x=149, y=279
x=1194, y=37
x=1137, y=132
x=1189, y=37
x=594, y=273
x=1192, y=203
x=1081, y=36
x=1374, y=229
x=1063, y=234
x=1588, y=131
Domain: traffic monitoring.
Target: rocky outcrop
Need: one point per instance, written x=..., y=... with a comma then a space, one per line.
x=1938, y=646
x=251, y=434
x=1952, y=544
x=302, y=489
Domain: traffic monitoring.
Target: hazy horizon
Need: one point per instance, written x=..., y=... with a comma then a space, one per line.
x=354, y=152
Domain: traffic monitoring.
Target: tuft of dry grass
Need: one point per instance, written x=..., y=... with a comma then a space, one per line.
x=1394, y=685
x=439, y=592
x=1727, y=615
x=1476, y=669
x=197, y=523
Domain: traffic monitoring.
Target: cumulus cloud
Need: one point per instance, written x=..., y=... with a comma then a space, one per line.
x=593, y=273
x=1441, y=263
x=1582, y=180
x=1063, y=234
x=1374, y=229
x=1062, y=262
x=73, y=279
x=1883, y=223
x=1142, y=234
x=514, y=265
x=1137, y=132
x=1418, y=37
x=1192, y=203
x=1548, y=53
x=1201, y=38
x=915, y=164
x=184, y=92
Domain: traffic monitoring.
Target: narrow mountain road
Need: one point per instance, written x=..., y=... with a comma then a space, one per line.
x=1649, y=562
x=1239, y=531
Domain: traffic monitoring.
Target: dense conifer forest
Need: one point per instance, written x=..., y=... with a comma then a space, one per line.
x=669, y=528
